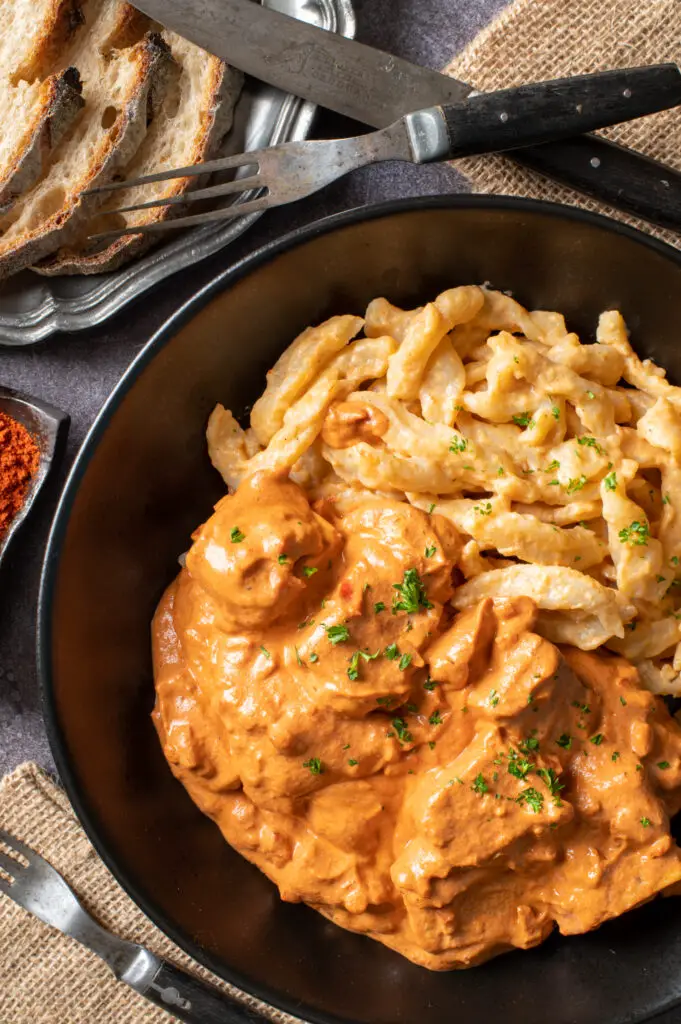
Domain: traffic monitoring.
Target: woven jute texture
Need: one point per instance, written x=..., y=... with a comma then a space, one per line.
x=533, y=40
x=46, y=978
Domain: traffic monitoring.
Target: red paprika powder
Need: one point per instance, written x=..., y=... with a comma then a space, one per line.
x=19, y=458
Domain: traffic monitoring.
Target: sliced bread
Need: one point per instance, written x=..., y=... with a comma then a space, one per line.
x=38, y=101
x=119, y=77
x=194, y=114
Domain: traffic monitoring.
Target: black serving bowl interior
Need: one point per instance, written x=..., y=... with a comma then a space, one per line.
x=143, y=481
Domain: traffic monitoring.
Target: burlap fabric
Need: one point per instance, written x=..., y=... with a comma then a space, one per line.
x=534, y=40
x=45, y=977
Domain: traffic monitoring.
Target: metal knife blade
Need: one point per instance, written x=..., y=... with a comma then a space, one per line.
x=304, y=60
x=377, y=89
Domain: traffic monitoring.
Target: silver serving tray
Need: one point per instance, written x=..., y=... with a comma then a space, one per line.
x=33, y=307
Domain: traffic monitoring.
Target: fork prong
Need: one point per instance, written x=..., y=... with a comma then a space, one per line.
x=229, y=187
x=9, y=865
x=15, y=844
x=210, y=167
x=237, y=210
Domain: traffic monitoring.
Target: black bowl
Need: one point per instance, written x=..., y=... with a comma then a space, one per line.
x=142, y=482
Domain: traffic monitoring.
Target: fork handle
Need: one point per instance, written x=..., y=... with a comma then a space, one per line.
x=195, y=1001
x=544, y=111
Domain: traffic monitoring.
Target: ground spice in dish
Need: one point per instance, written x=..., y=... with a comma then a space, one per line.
x=19, y=458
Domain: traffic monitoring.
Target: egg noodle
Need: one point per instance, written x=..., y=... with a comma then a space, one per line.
x=557, y=461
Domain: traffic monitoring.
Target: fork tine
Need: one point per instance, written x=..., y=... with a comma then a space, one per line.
x=237, y=210
x=238, y=185
x=15, y=844
x=210, y=167
x=9, y=865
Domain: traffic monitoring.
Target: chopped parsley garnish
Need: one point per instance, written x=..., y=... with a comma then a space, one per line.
x=501, y=471
x=590, y=394
x=431, y=744
x=554, y=483
x=282, y=559
x=314, y=658
x=353, y=671
x=493, y=698
x=265, y=652
x=552, y=466
x=298, y=658
x=663, y=765
x=576, y=484
x=659, y=579
x=391, y=652
x=429, y=684
x=400, y=727
x=564, y=740
x=337, y=634
x=386, y=701
x=352, y=762
x=636, y=534
x=645, y=822
x=523, y=420
x=533, y=799
x=479, y=784
x=623, y=702
x=584, y=708
x=405, y=662
x=615, y=755
x=458, y=444
x=597, y=739
x=666, y=499
x=520, y=767
x=429, y=552
x=435, y=718
x=412, y=593
x=528, y=745
x=674, y=559
x=236, y=536
x=346, y=747
x=485, y=509
x=431, y=508
x=549, y=776
x=379, y=607
x=315, y=765
x=591, y=442
x=309, y=570
x=556, y=412
x=610, y=482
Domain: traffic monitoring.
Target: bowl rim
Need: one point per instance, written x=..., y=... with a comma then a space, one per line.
x=50, y=566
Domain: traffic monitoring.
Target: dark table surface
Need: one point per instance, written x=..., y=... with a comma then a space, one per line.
x=77, y=372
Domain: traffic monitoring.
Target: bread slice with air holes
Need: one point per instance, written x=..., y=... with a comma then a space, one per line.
x=195, y=113
x=120, y=68
x=38, y=101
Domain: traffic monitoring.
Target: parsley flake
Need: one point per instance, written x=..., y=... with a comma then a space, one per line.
x=236, y=536
x=576, y=484
x=615, y=755
x=314, y=658
x=337, y=634
x=610, y=482
x=282, y=559
x=479, y=784
x=309, y=570
x=315, y=765
x=412, y=593
x=265, y=652
x=429, y=684
x=458, y=444
x=435, y=718
x=352, y=762
x=533, y=799
x=636, y=534
x=405, y=662
x=663, y=765
x=379, y=607
x=645, y=822
x=485, y=509
x=391, y=652
x=523, y=420
x=400, y=727
x=564, y=740
x=597, y=739
x=429, y=552
x=591, y=442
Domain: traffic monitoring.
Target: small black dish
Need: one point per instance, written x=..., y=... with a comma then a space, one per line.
x=142, y=483
x=49, y=428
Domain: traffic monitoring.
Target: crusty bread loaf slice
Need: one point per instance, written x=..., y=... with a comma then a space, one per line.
x=118, y=83
x=194, y=115
x=38, y=101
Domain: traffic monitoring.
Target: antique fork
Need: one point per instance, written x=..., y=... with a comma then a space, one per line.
x=489, y=122
x=34, y=884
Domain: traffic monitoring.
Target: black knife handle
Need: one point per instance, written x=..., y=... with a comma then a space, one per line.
x=544, y=111
x=612, y=174
x=195, y=1001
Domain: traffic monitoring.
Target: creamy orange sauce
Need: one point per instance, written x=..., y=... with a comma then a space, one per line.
x=450, y=786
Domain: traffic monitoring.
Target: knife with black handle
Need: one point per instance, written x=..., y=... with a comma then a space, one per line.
x=377, y=89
